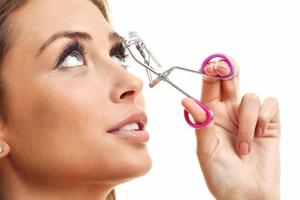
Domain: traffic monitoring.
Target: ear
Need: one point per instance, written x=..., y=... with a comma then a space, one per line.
x=4, y=149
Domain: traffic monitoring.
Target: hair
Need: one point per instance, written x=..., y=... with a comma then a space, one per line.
x=7, y=8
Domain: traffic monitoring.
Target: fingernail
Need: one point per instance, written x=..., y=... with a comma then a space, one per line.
x=259, y=131
x=244, y=148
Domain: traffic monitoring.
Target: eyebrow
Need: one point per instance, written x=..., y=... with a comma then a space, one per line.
x=113, y=37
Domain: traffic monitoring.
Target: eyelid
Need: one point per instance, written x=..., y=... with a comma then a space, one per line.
x=116, y=48
x=76, y=45
x=72, y=46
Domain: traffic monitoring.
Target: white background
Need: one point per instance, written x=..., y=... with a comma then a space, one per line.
x=262, y=36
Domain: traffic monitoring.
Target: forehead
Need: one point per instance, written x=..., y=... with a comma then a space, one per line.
x=37, y=20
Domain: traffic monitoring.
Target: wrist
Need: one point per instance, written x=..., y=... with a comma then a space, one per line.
x=274, y=195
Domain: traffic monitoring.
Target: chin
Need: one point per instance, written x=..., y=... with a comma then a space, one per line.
x=137, y=165
x=143, y=167
x=133, y=166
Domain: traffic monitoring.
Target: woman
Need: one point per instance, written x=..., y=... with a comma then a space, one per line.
x=61, y=112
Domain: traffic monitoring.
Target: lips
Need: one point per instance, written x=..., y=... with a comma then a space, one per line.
x=137, y=136
x=138, y=117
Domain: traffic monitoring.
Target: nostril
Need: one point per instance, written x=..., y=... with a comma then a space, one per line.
x=129, y=93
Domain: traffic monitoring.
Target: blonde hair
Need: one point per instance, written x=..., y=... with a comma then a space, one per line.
x=102, y=5
x=7, y=7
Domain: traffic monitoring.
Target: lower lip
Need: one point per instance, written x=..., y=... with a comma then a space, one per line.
x=133, y=136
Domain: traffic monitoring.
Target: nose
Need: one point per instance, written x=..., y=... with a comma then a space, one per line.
x=126, y=88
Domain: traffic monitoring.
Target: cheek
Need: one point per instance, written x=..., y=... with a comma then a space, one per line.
x=61, y=133
x=55, y=126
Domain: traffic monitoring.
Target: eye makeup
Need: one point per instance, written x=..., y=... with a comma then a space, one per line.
x=77, y=49
x=119, y=51
x=74, y=47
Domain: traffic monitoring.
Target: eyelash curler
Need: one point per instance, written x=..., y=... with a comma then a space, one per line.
x=144, y=57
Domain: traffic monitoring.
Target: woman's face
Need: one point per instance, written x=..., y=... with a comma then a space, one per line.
x=59, y=117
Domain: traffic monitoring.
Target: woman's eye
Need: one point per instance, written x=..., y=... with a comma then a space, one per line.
x=118, y=60
x=73, y=55
x=119, y=54
x=73, y=60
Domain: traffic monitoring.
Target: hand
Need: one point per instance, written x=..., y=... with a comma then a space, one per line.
x=239, y=151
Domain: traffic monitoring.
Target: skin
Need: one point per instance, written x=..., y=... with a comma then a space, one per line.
x=58, y=119
x=231, y=170
x=55, y=140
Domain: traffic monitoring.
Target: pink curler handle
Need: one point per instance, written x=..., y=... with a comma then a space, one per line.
x=209, y=114
x=226, y=59
x=209, y=117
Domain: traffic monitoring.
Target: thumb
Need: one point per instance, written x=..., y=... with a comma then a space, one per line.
x=206, y=137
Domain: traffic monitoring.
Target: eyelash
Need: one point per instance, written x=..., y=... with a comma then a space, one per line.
x=72, y=47
x=118, y=50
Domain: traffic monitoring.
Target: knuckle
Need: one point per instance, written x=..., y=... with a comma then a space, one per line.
x=210, y=66
x=223, y=63
x=245, y=134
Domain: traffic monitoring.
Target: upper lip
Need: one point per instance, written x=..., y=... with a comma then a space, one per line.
x=138, y=117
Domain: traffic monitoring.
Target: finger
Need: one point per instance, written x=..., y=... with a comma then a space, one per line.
x=248, y=115
x=230, y=88
x=222, y=68
x=209, y=69
x=268, y=119
x=206, y=137
x=211, y=86
x=198, y=114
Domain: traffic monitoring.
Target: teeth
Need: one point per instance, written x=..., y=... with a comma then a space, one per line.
x=129, y=127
